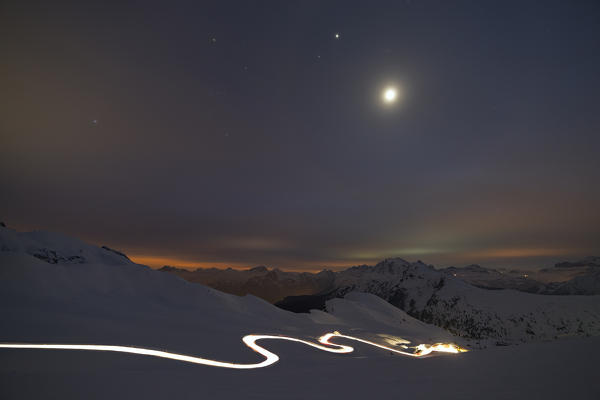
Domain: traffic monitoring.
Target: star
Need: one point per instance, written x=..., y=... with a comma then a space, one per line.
x=337, y=35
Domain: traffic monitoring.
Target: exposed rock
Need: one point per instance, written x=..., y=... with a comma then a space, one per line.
x=115, y=251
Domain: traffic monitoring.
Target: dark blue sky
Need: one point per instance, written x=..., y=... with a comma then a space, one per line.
x=245, y=133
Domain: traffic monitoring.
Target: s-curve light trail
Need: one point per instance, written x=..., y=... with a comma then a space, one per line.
x=250, y=341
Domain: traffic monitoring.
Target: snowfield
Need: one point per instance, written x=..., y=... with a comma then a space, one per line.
x=55, y=289
x=483, y=317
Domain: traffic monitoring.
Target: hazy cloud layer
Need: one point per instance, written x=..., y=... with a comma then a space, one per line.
x=269, y=145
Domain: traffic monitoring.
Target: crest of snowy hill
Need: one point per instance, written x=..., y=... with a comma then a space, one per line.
x=591, y=261
x=375, y=314
x=586, y=284
x=501, y=316
x=55, y=248
x=269, y=284
x=584, y=277
x=105, y=298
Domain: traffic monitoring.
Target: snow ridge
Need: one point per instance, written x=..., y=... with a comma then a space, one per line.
x=483, y=316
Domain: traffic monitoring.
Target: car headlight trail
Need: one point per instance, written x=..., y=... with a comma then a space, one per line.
x=324, y=344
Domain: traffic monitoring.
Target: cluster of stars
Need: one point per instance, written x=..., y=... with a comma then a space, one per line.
x=389, y=95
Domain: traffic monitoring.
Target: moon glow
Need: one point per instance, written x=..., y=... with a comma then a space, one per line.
x=390, y=94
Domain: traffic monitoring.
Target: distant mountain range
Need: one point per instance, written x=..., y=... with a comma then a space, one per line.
x=271, y=285
x=458, y=300
x=58, y=289
x=484, y=305
x=566, y=278
x=439, y=297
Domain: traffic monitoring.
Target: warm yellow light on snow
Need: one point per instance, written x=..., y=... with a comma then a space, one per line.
x=424, y=349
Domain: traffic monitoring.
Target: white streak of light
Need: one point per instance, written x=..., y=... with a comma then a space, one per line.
x=250, y=341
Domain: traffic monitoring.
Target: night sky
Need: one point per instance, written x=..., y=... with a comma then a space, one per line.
x=245, y=133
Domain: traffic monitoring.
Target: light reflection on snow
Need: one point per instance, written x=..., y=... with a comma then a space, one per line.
x=250, y=341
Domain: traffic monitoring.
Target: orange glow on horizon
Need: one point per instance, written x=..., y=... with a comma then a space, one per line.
x=159, y=262
x=450, y=257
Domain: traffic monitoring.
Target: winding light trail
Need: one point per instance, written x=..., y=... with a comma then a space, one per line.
x=250, y=341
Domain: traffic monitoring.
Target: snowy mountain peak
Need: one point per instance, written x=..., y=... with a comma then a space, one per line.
x=502, y=316
x=56, y=248
x=392, y=266
x=260, y=268
x=590, y=261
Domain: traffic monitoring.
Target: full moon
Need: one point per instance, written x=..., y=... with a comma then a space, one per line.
x=390, y=94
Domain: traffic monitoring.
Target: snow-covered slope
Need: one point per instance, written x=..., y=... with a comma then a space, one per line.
x=367, y=312
x=79, y=276
x=456, y=299
x=584, y=273
x=123, y=303
x=485, y=316
x=56, y=248
x=105, y=298
x=585, y=284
